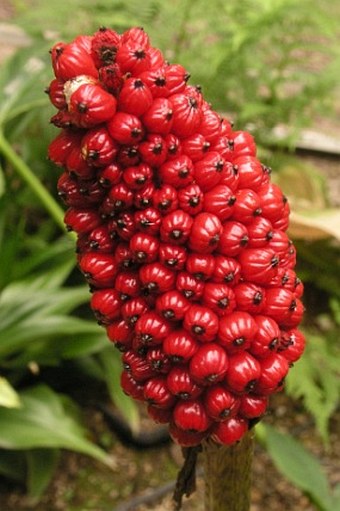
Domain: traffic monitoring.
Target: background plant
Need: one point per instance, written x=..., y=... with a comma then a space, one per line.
x=44, y=317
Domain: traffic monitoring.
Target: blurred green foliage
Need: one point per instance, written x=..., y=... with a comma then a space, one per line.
x=263, y=63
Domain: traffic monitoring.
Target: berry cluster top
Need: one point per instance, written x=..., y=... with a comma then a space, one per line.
x=181, y=236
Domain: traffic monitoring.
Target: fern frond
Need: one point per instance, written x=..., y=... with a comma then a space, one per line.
x=316, y=382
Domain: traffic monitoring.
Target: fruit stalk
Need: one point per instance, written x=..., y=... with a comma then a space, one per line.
x=227, y=474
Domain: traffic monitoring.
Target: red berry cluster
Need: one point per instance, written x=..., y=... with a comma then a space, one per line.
x=181, y=236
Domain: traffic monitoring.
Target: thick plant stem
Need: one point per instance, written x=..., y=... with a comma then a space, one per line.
x=32, y=181
x=227, y=474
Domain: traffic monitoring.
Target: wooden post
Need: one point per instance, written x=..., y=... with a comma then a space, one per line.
x=227, y=475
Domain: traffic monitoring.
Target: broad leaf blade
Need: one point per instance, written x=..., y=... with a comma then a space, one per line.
x=299, y=466
x=44, y=422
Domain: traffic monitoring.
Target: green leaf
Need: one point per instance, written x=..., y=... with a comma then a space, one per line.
x=41, y=465
x=44, y=421
x=8, y=396
x=112, y=367
x=13, y=465
x=299, y=466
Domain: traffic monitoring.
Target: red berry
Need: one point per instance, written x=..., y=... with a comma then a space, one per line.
x=172, y=256
x=181, y=384
x=151, y=329
x=233, y=238
x=243, y=372
x=219, y=200
x=120, y=333
x=267, y=337
x=205, y=233
x=227, y=270
x=99, y=270
x=137, y=366
x=131, y=387
x=90, y=105
x=156, y=278
x=252, y=407
x=230, y=431
x=135, y=97
x=158, y=119
x=201, y=322
x=190, y=199
x=208, y=170
x=176, y=227
x=97, y=148
x=144, y=247
x=209, y=364
x=259, y=265
x=250, y=297
x=156, y=393
x=125, y=128
x=177, y=172
x=172, y=305
x=186, y=114
x=180, y=346
x=274, y=369
x=106, y=304
x=104, y=46
x=219, y=403
x=189, y=286
x=292, y=344
x=191, y=416
x=186, y=438
x=165, y=199
x=236, y=331
x=153, y=150
x=219, y=297
x=73, y=59
x=133, y=309
x=201, y=266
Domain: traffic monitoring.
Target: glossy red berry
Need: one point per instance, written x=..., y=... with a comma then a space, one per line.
x=151, y=329
x=205, y=233
x=274, y=369
x=236, y=331
x=243, y=372
x=180, y=346
x=230, y=431
x=219, y=297
x=209, y=364
x=181, y=385
x=191, y=416
x=172, y=305
x=176, y=227
x=106, y=304
x=156, y=393
x=125, y=128
x=201, y=322
x=252, y=407
x=219, y=403
x=135, y=97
